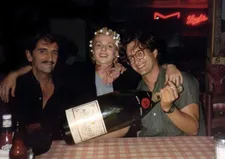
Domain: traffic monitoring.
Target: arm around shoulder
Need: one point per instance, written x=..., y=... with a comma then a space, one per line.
x=8, y=85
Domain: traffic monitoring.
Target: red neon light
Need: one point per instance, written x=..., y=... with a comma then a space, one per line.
x=196, y=20
x=158, y=15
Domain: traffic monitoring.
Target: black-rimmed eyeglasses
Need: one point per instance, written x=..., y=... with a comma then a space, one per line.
x=139, y=55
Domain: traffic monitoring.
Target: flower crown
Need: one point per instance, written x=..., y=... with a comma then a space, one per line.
x=109, y=32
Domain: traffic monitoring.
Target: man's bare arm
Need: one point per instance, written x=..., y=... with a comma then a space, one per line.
x=186, y=119
x=8, y=85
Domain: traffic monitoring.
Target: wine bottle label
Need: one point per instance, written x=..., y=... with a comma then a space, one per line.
x=86, y=121
x=6, y=147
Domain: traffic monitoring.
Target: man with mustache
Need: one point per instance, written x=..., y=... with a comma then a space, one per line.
x=37, y=103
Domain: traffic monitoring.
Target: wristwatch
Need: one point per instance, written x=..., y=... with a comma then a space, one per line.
x=171, y=110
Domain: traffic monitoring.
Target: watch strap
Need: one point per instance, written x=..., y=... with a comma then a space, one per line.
x=171, y=110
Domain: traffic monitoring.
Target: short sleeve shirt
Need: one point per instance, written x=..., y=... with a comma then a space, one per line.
x=156, y=122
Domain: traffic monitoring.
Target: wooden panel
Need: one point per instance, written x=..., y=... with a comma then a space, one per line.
x=218, y=99
x=218, y=122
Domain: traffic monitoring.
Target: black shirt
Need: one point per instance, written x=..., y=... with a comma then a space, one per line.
x=27, y=105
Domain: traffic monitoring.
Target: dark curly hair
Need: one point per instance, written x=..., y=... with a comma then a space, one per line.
x=142, y=39
x=47, y=37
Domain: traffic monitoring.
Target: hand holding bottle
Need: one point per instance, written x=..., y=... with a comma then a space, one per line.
x=168, y=95
x=107, y=114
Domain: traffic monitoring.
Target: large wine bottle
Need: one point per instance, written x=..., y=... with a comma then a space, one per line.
x=108, y=113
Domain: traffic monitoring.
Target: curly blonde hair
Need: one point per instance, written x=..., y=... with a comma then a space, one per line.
x=105, y=31
x=109, y=32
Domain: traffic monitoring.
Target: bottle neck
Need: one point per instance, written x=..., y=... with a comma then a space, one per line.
x=6, y=129
x=18, y=138
x=19, y=131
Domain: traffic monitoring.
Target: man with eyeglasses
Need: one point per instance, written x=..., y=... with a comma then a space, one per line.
x=176, y=114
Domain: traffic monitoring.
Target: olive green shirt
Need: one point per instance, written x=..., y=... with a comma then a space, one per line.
x=156, y=122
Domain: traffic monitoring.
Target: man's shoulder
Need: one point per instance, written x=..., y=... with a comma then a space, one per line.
x=26, y=80
x=190, y=85
x=190, y=92
x=189, y=79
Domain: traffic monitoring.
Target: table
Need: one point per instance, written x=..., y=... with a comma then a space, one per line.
x=185, y=147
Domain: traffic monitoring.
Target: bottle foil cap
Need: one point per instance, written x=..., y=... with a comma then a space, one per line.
x=6, y=116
